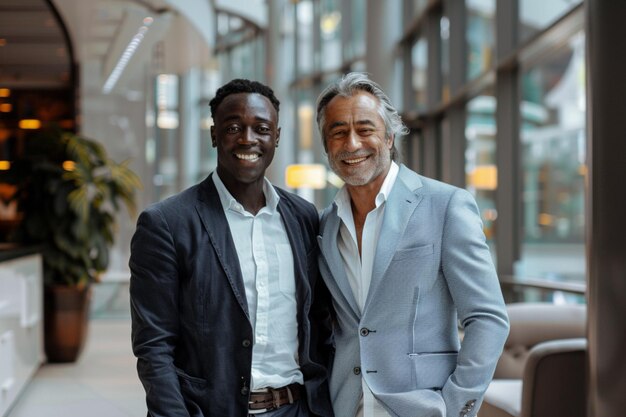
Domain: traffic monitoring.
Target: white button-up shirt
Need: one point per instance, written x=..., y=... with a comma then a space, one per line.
x=359, y=268
x=266, y=263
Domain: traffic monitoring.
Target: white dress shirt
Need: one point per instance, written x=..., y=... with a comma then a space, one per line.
x=266, y=262
x=359, y=268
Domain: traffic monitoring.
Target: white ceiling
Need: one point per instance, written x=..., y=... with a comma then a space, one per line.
x=33, y=48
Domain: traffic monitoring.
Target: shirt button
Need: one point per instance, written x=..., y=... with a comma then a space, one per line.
x=365, y=331
x=357, y=370
x=246, y=343
x=245, y=391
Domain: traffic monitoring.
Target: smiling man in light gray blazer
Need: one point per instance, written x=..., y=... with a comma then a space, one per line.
x=406, y=261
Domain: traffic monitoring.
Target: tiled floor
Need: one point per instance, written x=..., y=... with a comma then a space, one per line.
x=102, y=383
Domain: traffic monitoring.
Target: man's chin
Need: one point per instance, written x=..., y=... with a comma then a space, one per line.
x=355, y=180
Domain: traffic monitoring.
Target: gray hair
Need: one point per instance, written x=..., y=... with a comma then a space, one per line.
x=351, y=84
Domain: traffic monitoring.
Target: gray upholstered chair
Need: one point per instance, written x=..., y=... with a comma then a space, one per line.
x=541, y=372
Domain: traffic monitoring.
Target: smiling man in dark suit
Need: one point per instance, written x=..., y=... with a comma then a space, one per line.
x=222, y=282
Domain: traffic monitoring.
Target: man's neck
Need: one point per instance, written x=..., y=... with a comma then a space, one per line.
x=363, y=197
x=362, y=201
x=252, y=200
x=249, y=195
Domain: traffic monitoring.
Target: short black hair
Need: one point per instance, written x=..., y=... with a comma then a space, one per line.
x=240, y=85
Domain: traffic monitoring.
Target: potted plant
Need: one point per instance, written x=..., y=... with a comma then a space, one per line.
x=70, y=194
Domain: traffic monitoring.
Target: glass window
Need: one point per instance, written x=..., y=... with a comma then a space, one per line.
x=359, y=66
x=246, y=60
x=411, y=148
x=480, y=159
x=304, y=27
x=306, y=126
x=206, y=154
x=444, y=32
x=166, y=133
x=536, y=15
x=553, y=163
x=419, y=6
x=419, y=56
x=288, y=38
x=480, y=36
x=330, y=30
x=357, y=40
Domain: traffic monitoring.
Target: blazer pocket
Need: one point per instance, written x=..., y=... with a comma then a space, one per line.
x=194, y=381
x=432, y=370
x=415, y=252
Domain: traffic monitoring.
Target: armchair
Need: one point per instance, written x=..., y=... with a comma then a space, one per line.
x=541, y=372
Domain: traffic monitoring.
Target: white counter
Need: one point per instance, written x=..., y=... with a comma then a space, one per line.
x=21, y=325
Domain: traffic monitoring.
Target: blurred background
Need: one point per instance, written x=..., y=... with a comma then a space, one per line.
x=496, y=95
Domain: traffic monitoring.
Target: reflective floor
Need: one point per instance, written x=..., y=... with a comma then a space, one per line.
x=103, y=382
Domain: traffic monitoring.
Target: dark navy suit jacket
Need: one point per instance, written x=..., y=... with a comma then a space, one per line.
x=191, y=331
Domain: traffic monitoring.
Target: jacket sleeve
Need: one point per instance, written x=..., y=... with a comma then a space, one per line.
x=155, y=316
x=475, y=289
x=322, y=319
x=320, y=316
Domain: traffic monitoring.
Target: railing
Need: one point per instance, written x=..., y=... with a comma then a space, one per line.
x=517, y=289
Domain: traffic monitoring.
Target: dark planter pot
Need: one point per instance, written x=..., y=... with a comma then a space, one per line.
x=66, y=316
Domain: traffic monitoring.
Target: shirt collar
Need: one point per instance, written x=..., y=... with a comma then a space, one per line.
x=230, y=203
x=342, y=198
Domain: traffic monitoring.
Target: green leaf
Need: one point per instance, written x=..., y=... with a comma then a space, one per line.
x=73, y=213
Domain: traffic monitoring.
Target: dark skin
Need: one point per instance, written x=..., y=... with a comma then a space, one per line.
x=245, y=133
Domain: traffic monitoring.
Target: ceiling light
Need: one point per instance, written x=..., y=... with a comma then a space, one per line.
x=131, y=49
x=29, y=124
x=126, y=56
x=69, y=165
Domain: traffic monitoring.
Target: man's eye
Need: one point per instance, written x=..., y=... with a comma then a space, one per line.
x=232, y=129
x=338, y=134
x=263, y=129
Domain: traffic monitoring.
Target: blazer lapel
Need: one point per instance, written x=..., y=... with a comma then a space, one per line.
x=211, y=213
x=399, y=207
x=330, y=252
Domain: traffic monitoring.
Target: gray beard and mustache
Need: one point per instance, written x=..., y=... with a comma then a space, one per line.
x=360, y=175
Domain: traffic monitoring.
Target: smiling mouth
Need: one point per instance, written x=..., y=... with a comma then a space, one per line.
x=247, y=156
x=354, y=161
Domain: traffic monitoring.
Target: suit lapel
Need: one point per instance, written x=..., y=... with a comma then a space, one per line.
x=330, y=251
x=211, y=213
x=399, y=207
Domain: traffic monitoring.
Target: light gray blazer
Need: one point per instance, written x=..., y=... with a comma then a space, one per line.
x=432, y=270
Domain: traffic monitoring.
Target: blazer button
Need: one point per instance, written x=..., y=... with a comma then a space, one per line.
x=357, y=370
x=246, y=343
x=365, y=331
x=245, y=391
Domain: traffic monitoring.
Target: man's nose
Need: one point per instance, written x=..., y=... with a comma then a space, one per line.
x=352, y=142
x=248, y=137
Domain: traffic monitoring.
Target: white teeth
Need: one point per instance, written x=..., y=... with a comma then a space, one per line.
x=354, y=161
x=247, y=157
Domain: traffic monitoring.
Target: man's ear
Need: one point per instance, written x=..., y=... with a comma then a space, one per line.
x=277, y=136
x=390, y=141
x=213, y=140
